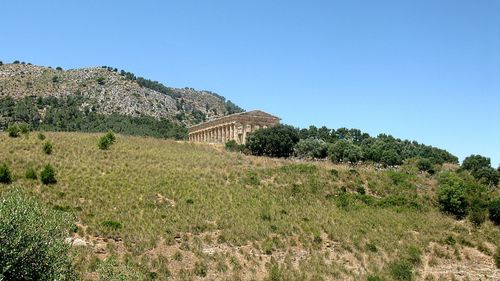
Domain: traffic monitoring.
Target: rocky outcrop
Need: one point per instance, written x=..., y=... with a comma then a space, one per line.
x=109, y=92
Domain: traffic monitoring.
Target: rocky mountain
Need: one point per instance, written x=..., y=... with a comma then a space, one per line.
x=109, y=91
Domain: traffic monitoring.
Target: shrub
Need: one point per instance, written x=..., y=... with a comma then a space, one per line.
x=32, y=239
x=59, y=68
x=107, y=140
x=494, y=210
x=47, y=148
x=232, y=145
x=311, y=149
x=41, y=136
x=452, y=198
x=100, y=80
x=24, y=128
x=425, y=165
x=48, y=175
x=13, y=130
x=5, y=176
x=276, y=141
x=401, y=270
x=31, y=174
x=478, y=216
x=55, y=79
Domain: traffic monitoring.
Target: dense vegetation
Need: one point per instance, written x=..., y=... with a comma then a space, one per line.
x=343, y=146
x=70, y=114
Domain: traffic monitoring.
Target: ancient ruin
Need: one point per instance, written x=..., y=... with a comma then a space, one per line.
x=231, y=127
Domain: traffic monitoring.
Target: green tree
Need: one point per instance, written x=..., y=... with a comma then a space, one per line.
x=345, y=151
x=452, y=196
x=475, y=162
x=276, y=141
x=311, y=149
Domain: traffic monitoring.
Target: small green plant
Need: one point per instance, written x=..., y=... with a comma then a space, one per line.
x=497, y=257
x=13, y=130
x=47, y=147
x=100, y=80
x=232, y=145
x=41, y=136
x=48, y=175
x=200, y=269
x=5, y=175
x=31, y=174
x=24, y=128
x=401, y=270
x=112, y=225
x=55, y=79
x=106, y=140
x=414, y=255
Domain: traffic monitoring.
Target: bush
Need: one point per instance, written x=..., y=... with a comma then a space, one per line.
x=494, y=210
x=100, y=80
x=107, y=140
x=425, y=165
x=47, y=148
x=232, y=145
x=452, y=198
x=5, y=176
x=48, y=175
x=24, y=128
x=13, y=130
x=31, y=174
x=276, y=141
x=311, y=149
x=32, y=239
x=41, y=136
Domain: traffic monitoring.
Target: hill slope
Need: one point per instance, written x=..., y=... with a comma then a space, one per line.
x=108, y=91
x=164, y=209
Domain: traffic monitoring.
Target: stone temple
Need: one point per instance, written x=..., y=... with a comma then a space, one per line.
x=232, y=127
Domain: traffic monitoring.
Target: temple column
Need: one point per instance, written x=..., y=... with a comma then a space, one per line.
x=244, y=140
x=224, y=134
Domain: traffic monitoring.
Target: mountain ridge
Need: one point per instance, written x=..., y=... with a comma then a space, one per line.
x=109, y=91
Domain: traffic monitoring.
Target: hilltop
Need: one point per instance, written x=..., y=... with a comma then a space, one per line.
x=105, y=91
x=160, y=209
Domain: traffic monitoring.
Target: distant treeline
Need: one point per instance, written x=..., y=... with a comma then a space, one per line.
x=68, y=114
x=341, y=145
x=159, y=87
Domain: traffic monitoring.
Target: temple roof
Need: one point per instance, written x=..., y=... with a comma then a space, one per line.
x=234, y=117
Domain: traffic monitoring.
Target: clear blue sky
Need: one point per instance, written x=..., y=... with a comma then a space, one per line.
x=424, y=70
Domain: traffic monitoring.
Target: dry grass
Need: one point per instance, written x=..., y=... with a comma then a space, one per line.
x=161, y=208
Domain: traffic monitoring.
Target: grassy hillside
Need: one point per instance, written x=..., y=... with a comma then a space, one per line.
x=157, y=209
